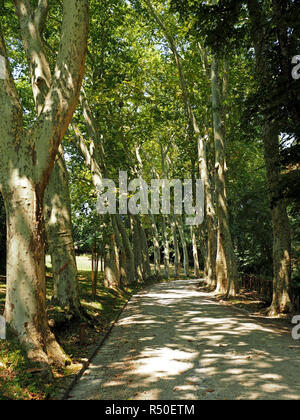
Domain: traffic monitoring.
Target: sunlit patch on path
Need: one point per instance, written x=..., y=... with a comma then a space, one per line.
x=172, y=342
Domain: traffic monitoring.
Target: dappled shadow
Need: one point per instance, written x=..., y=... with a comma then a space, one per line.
x=172, y=342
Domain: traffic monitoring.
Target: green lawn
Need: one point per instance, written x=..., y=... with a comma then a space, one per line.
x=84, y=262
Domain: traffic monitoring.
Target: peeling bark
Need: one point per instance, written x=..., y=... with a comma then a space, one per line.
x=111, y=263
x=26, y=162
x=137, y=250
x=130, y=270
x=166, y=251
x=186, y=265
x=155, y=246
x=176, y=245
x=226, y=267
x=195, y=253
x=57, y=211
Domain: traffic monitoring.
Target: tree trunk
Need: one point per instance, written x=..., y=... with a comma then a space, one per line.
x=26, y=162
x=195, y=253
x=137, y=250
x=127, y=247
x=94, y=156
x=145, y=251
x=166, y=251
x=123, y=267
x=58, y=222
x=25, y=306
x=111, y=264
x=186, y=265
x=203, y=249
x=176, y=246
x=194, y=228
x=155, y=246
x=95, y=267
x=226, y=268
x=281, y=301
x=123, y=263
x=140, y=249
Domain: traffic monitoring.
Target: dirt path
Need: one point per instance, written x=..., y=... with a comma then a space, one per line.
x=172, y=342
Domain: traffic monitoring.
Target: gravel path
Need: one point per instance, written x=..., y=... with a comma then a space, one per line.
x=172, y=343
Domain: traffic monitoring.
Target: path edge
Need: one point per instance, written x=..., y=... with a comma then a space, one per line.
x=272, y=321
x=66, y=392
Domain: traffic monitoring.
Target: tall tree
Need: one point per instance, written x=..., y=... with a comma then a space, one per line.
x=281, y=231
x=26, y=162
x=271, y=31
x=226, y=268
x=201, y=142
x=93, y=152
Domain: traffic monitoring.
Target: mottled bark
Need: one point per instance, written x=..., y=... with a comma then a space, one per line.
x=194, y=228
x=26, y=162
x=140, y=250
x=25, y=307
x=127, y=247
x=281, y=301
x=145, y=252
x=166, y=250
x=95, y=266
x=156, y=246
x=137, y=254
x=226, y=267
x=186, y=265
x=176, y=245
x=122, y=260
x=111, y=263
x=195, y=252
x=58, y=222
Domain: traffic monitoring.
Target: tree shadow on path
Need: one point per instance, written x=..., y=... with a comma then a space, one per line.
x=172, y=342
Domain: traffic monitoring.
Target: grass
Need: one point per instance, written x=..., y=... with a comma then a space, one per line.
x=19, y=380
x=84, y=262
